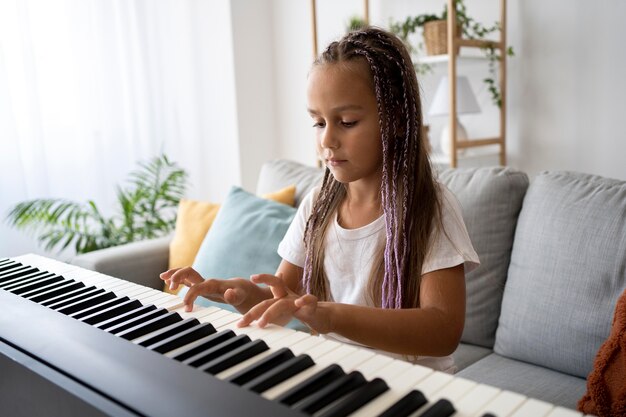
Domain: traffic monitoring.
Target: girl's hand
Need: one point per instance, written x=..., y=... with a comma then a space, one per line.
x=238, y=292
x=285, y=305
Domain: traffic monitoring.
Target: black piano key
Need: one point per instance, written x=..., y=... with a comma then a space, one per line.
x=13, y=282
x=17, y=272
x=313, y=384
x=126, y=317
x=9, y=269
x=356, y=399
x=442, y=408
x=78, y=296
x=39, y=283
x=331, y=392
x=57, y=284
x=98, y=307
x=68, y=286
x=217, y=351
x=87, y=302
x=406, y=405
x=5, y=261
x=166, y=332
x=489, y=415
x=111, y=312
x=4, y=269
x=261, y=367
x=150, y=326
x=200, y=345
x=235, y=357
x=67, y=296
x=279, y=374
x=183, y=338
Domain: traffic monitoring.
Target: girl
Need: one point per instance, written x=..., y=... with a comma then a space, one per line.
x=376, y=255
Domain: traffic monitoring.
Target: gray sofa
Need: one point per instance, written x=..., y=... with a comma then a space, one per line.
x=553, y=263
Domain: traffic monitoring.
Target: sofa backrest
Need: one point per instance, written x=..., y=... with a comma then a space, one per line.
x=568, y=267
x=281, y=173
x=491, y=200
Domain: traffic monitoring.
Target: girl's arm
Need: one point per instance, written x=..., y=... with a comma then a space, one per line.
x=434, y=329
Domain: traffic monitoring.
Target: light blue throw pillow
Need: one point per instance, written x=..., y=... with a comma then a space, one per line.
x=242, y=240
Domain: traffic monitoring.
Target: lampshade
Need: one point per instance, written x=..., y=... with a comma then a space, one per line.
x=465, y=99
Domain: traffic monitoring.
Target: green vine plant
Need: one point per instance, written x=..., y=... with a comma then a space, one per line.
x=147, y=209
x=470, y=28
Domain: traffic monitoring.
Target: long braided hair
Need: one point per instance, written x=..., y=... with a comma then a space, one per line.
x=409, y=196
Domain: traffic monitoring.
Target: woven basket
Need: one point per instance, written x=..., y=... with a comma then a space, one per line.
x=436, y=37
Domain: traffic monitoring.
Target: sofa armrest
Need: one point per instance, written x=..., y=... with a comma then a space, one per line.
x=138, y=262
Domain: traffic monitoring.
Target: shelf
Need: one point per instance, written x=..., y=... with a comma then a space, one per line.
x=443, y=59
x=487, y=155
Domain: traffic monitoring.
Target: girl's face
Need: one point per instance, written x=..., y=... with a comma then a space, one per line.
x=343, y=107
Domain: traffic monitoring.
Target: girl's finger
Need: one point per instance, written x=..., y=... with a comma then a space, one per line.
x=255, y=312
x=186, y=276
x=279, y=313
x=211, y=288
x=167, y=274
x=276, y=284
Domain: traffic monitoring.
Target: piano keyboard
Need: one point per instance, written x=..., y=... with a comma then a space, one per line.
x=298, y=374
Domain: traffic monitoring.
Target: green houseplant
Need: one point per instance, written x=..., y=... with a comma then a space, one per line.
x=146, y=209
x=470, y=28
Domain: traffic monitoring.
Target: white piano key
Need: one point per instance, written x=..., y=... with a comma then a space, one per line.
x=474, y=400
x=564, y=412
x=334, y=356
x=433, y=383
x=453, y=391
x=214, y=316
x=322, y=349
x=225, y=320
x=150, y=298
x=306, y=343
x=355, y=359
x=373, y=365
x=198, y=313
x=134, y=291
x=401, y=377
x=169, y=303
x=533, y=408
x=504, y=404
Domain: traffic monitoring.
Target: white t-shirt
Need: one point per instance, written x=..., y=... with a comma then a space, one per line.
x=349, y=253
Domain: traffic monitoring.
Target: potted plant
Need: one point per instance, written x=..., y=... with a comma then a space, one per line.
x=147, y=209
x=434, y=29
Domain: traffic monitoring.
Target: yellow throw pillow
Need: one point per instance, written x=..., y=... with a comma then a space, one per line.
x=194, y=219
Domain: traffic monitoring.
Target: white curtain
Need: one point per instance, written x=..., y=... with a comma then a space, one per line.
x=90, y=87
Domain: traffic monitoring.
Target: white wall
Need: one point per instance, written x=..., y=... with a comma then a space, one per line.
x=253, y=52
x=565, y=88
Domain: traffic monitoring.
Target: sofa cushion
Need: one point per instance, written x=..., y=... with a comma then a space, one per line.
x=566, y=273
x=466, y=354
x=194, y=219
x=280, y=173
x=491, y=199
x=524, y=378
x=242, y=240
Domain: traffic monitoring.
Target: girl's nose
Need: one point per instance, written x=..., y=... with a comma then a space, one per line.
x=328, y=138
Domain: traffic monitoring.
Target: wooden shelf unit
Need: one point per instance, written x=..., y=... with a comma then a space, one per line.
x=454, y=41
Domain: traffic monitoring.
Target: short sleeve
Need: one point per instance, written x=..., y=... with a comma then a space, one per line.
x=451, y=246
x=291, y=248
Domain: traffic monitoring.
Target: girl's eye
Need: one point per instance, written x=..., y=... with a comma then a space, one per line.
x=349, y=124
x=318, y=124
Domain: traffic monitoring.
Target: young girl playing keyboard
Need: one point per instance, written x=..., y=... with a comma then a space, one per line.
x=376, y=255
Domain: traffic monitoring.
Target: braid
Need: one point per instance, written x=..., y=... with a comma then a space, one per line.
x=408, y=191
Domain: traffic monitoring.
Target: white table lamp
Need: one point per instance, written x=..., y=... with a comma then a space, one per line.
x=465, y=103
